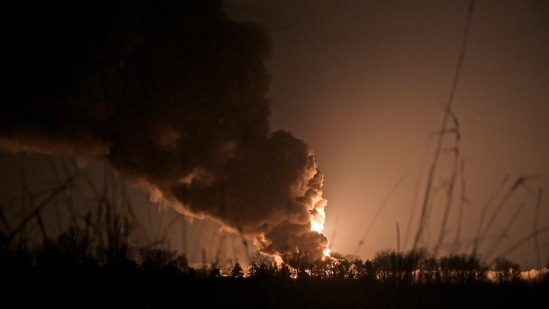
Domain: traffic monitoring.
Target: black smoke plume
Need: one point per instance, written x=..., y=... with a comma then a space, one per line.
x=173, y=95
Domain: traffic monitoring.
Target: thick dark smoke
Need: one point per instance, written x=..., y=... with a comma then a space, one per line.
x=173, y=95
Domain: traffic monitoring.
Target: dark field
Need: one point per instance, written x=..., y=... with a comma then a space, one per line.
x=129, y=287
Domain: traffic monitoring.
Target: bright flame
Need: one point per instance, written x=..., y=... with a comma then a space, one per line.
x=326, y=252
x=318, y=217
x=316, y=226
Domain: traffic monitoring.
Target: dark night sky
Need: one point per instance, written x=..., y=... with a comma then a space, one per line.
x=365, y=84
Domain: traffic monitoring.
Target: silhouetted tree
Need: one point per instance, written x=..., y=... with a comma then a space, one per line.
x=410, y=264
x=283, y=271
x=339, y=266
x=71, y=249
x=461, y=268
x=155, y=258
x=388, y=265
x=506, y=270
x=370, y=271
x=181, y=263
x=118, y=253
x=163, y=260
x=262, y=265
x=428, y=269
x=237, y=271
x=300, y=261
x=322, y=268
x=357, y=269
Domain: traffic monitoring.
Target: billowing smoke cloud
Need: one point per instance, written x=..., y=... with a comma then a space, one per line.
x=174, y=97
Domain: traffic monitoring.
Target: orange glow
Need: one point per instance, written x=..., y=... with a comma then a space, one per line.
x=316, y=226
x=327, y=252
x=318, y=217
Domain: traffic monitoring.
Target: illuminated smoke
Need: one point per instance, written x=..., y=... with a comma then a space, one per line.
x=174, y=97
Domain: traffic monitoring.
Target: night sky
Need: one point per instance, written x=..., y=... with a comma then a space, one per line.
x=361, y=84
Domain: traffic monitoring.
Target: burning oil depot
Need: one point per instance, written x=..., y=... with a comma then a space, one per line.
x=141, y=150
x=178, y=100
x=174, y=99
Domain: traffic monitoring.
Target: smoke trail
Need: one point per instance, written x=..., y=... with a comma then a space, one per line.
x=174, y=97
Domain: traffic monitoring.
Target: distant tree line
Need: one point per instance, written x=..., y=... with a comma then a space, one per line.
x=77, y=250
x=389, y=266
x=76, y=270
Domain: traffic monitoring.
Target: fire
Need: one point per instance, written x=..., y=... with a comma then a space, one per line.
x=318, y=217
x=316, y=225
x=326, y=252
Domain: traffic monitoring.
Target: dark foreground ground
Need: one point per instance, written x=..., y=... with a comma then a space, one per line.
x=102, y=289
